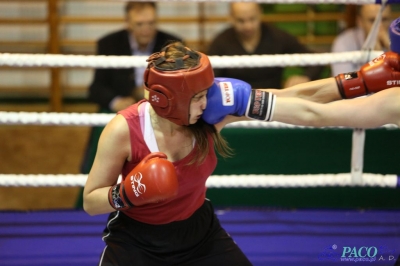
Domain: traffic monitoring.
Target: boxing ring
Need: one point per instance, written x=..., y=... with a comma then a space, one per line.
x=324, y=218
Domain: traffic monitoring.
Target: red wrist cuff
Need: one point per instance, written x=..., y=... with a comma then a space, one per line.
x=351, y=85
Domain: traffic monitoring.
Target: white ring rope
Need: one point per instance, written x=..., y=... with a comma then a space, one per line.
x=55, y=119
x=219, y=181
x=102, y=61
x=357, y=2
x=95, y=119
x=227, y=181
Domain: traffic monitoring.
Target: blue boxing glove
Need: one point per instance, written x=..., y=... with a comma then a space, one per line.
x=229, y=96
x=394, y=35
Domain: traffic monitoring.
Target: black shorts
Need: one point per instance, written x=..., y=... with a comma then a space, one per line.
x=198, y=241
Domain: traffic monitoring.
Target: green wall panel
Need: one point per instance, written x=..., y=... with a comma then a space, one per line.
x=308, y=151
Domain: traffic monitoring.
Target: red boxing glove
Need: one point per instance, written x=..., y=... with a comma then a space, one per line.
x=379, y=74
x=152, y=180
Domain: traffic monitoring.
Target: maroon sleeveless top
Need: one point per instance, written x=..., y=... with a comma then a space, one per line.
x=192, y=178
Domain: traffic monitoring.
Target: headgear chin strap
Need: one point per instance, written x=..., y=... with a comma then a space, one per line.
x=171, y=90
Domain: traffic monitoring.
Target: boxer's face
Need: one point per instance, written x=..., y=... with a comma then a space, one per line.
x=197, y=106
x=367, y=17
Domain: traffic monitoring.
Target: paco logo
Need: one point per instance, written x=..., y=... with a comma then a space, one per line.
x=361, y=252
x=358, y=254
x=137, y=187
x=227, y=93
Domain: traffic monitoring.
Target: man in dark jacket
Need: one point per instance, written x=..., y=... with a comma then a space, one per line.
x=116, y=89
x=250, y=36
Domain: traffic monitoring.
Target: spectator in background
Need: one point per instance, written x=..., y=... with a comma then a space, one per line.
x=248, y=35
x=353, y=38
x=115, y=89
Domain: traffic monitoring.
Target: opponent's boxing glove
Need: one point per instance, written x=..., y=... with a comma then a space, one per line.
x=152, y=180
x=379, y=74
x=229, y=96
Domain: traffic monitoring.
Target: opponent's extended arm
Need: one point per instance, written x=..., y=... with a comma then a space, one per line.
x=322, y=91
x=381, y=73
x=363, y=112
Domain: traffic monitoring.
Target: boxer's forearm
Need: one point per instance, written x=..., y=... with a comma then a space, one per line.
x=323, y=91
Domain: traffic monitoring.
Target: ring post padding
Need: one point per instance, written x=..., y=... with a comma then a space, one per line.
x=357, y=156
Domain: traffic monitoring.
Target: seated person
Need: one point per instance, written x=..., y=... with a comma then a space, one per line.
x=353, y=39
x=116, y=89
x=249, y=36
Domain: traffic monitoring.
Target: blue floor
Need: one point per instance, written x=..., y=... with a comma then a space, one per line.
x=267, y=237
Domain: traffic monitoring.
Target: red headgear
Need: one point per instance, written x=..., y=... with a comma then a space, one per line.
x=171, y=90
